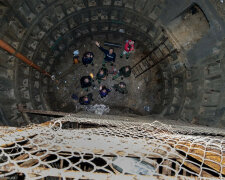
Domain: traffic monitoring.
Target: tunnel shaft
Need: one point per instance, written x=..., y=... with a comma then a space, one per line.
x=187, y=85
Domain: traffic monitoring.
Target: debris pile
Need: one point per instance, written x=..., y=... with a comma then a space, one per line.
x=99, y=109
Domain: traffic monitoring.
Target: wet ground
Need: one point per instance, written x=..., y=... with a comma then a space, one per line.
x=142, y=91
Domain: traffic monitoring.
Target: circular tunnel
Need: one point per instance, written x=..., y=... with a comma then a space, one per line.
x=181, y=42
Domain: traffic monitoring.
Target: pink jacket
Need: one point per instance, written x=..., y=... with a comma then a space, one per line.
x=128, y=47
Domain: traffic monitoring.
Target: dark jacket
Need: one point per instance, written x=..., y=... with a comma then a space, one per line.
x=102, y=94
x=123, y=72
x=87, y=60
x=99, y=76
x=89, y=96
x=108, y=57
x=84, y=84
x=119, y=89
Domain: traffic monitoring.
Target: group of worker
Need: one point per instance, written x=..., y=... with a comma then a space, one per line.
x=110, y=57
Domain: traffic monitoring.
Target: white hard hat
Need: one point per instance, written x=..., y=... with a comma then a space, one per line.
x=76, y=52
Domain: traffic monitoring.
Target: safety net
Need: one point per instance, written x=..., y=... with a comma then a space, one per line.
x=86, y=148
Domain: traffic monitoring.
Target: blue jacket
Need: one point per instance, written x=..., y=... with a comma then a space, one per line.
x=104, y=94
x=83, y=102
x=108, y=57
x=87, y=60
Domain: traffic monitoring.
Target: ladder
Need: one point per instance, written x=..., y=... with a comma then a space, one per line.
x=156, y=56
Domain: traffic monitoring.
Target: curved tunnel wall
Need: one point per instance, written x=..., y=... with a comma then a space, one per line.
x=43, y=30
x=55, y=24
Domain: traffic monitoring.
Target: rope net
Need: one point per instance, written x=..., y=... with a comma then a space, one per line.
x=81, y=148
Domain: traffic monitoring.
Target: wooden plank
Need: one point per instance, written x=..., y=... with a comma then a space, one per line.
x=31, y=162
x=165, y=169
x=177, y=167
x=193, y=167
x=212, y=158
x=21, y=157
x=169, y=164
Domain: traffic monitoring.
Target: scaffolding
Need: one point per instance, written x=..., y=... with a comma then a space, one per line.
x=73, y=147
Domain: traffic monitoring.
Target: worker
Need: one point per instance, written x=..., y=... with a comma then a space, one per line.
x=86, y=100
x=110, y=55
x=102, y=74
x=129, y=48
x=124, y=71
x=103, y=91
x=121, y=88
x=86, y=81
x=75, y=57
x=88, y=58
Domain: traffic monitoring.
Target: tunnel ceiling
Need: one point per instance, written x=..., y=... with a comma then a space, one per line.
x=45, y=30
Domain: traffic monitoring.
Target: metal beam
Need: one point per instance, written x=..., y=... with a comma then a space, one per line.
x=41, y=112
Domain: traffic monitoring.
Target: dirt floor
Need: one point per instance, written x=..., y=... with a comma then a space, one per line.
x=142, y=91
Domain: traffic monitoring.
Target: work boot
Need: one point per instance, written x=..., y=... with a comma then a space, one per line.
x=127, y=55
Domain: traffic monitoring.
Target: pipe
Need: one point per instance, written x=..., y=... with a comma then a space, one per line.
x=12, y=51
x=110, y=44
